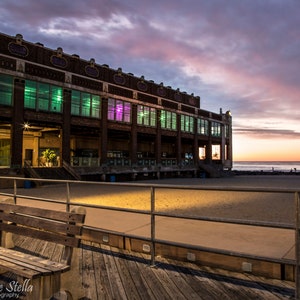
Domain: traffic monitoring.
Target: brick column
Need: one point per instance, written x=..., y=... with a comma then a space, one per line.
x=103, y=135
x=66, y=127
x=178, y=140
x=158, y=139
x=133, y=141
x=195, y=145
x=17, y=124
x=208, y=151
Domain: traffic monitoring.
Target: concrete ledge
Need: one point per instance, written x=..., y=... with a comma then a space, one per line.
x=259, y=267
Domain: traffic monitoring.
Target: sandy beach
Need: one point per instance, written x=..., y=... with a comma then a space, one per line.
x=273, y=207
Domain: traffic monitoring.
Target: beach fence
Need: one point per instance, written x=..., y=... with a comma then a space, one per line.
x=153, y=242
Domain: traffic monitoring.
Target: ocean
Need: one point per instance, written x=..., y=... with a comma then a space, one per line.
x=267, y=166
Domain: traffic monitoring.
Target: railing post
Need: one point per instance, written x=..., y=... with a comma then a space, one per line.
x=68, y=197
x=15, y=191
x=297, y=247
x=152, y=226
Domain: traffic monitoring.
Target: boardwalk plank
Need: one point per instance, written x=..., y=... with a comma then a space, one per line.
x=88, y=272
x=171, y=288
x=101, y=277
x=255, y=287
x=117, y=289
x=176, y=276
x=220, y=284
x=136, y=268
x=207, y=288
x=128, y=281
x=155, y=286
x=109, y=273
x=275, y=286
x=194, y=289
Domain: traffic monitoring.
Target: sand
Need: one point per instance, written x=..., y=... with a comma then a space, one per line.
x=271, y=207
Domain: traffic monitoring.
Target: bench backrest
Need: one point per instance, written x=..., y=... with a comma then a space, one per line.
x=50, y=225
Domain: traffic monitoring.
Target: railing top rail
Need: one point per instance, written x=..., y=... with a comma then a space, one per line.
x=169, y=186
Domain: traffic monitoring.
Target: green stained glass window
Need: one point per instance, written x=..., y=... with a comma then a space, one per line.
x=191, y=122
x=182, y=123
x=30, y=94
x=146, y=116
x=187, y=123
x=216, y=129
x=140, y=114
x=153, y=117
x=174, y=121
x=75, y=106
x=163, y=119
x=85, y=104
x=56, y=99
x=6, y=89
x=96, y=106
x=43, y=96
x=168, y=120
x=202, y=126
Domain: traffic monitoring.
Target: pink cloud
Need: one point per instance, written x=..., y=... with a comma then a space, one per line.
x=216, y=50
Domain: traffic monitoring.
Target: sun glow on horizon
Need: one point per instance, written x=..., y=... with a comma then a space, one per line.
x=247, y=148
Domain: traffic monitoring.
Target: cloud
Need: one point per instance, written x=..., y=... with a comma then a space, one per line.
x=264, y=133
x=239, y=55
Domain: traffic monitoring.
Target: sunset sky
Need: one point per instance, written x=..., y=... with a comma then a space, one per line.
x=238, y=55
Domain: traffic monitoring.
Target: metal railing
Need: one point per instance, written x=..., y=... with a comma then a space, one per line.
x=126, y=162
x=153, y=213
x=85, y=161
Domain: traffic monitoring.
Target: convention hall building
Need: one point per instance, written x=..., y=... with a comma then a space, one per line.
x=101, y=123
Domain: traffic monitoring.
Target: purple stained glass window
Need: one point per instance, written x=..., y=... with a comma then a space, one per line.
x=127, y=112
x=119, y=110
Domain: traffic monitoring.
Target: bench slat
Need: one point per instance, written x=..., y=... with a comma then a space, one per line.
x=35, y=261
x=42, y=235
x=20, y=270
x=50, y=225
x=13, y=260
x=45, y=213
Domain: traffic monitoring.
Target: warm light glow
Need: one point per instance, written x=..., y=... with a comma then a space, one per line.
x=26, y=126
x=246, y=148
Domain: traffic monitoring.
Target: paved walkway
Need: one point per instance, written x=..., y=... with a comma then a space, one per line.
x=259, y=241
x=271, y=243
x=266, y=242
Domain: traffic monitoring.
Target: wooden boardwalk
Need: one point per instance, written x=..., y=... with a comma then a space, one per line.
x=111, y=273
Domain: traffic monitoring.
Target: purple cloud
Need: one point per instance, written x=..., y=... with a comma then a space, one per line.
x=239, y=55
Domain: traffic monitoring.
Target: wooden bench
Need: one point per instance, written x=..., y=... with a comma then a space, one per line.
x=42, y=278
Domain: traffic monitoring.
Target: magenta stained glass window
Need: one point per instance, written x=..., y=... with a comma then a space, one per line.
x=119, y=110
